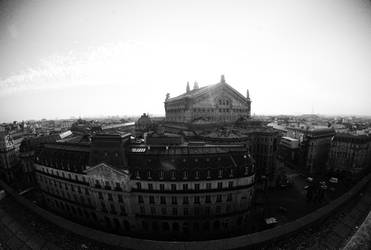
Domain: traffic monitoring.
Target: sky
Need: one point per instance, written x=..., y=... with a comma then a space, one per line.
x=60, y=59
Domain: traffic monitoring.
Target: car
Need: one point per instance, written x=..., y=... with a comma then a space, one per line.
x=271, y=221
x=333, y=180
x=309, y=179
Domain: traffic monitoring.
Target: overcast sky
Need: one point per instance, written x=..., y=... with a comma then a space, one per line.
x=84, y=58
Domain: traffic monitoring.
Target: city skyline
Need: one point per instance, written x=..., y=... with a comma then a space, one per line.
x=88, y=58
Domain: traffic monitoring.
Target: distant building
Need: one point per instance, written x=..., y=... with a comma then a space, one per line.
x=288, y=152
x=143, y=124
x=211, y=104
x=350, y=153
x=315, y=148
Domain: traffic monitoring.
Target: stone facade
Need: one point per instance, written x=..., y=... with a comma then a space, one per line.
x=211, y=104
x=186, y=191
x=9, y=160
x=315, y=148
x=351, y=153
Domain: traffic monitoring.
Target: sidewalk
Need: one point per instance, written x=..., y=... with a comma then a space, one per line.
x=13, y=235
x=21, y=229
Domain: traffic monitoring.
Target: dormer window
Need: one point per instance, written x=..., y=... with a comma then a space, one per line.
x=161, y=175
x=231, y=173
x=197, y=174
x=185, y=175
x=149, y=174
x=220, y=173
x=172, y=174
x=208, y=174
x=137, y=174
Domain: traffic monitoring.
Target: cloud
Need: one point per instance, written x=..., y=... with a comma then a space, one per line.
x=95, y=66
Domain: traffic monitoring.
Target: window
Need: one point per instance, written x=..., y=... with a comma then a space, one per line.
x=150, y=186
x=173, y=187
x=207, y=211
x=230, y=184
x=149, y=174
x=139, y=186
x=197, y=174
x=142, y=210
x=208, y=186
x=175, y=211
x=151, y=200
x=208, y=174
x=145, y=225
x=185, y=200
x=185, y=187
x=103, y=206
x=173, y=200
x=140, y=199
x=162, y=187
x=228, y=208
x=163, y=210
x=219, y=198
x=118, y=187
x=97, y=184
x=197, y=187
x=100, y=195
x=185, y=211
x=218, y=209
x=220, y=185
x=122, y=209
x=197, y=199
x=153, y=210
x=185, y=175
x=119, y=197
x=229, y=197
x=197, y=211
x=207, y=199
x=163, y=200
x=113, y=210
x=110, y=197
x=165, y=226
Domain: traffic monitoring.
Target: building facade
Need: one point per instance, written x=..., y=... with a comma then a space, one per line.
x=214, y=103
x=288, y=152
x=315, y=149
x=150, y=190
x=9, y=160
x=350, y=153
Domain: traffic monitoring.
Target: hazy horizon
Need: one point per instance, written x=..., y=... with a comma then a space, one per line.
x=92, y=58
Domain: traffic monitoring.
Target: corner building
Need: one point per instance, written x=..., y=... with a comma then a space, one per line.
x=181, y=191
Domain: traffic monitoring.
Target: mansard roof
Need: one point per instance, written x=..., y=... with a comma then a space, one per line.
x=204, y=90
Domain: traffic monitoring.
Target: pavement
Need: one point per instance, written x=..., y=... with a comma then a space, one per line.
x=335, y=231
x=21, y=229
